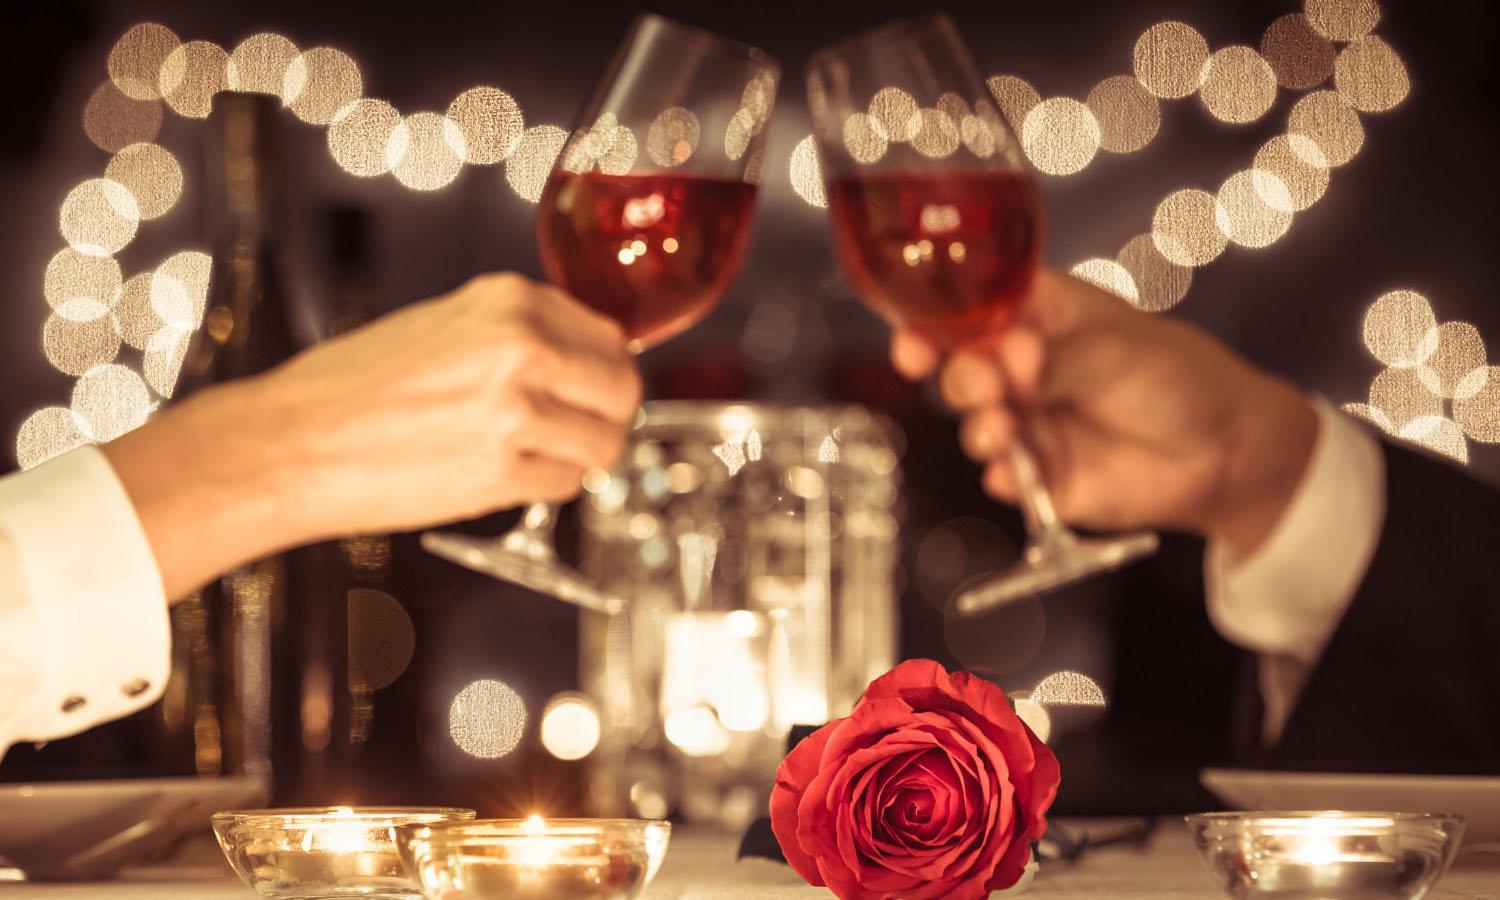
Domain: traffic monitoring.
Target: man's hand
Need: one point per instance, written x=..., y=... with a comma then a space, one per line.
x=501, y=392
x=1136, y=420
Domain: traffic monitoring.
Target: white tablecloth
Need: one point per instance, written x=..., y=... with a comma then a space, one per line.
x=702, y=867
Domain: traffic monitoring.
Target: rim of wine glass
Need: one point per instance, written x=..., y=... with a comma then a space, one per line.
x=928, y=21
x=717, y=42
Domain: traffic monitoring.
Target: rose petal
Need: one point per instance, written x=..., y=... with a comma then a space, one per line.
x=796, y=771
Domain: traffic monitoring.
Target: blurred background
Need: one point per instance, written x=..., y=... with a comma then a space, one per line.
x=1376, y=121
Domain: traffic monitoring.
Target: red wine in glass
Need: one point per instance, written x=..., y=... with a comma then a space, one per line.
x=653, y=252
x=651, y=241
x=947, y=255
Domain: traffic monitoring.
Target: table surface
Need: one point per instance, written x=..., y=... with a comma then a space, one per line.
x=701, y=867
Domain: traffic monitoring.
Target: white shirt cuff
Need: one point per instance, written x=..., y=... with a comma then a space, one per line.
x=84, y=622
x=1285, y=601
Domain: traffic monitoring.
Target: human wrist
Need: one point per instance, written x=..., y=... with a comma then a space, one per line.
x=208, y=484
x=1271, y=444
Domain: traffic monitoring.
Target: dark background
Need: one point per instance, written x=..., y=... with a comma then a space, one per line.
x=1414, y=209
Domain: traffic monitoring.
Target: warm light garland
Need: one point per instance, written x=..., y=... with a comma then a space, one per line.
x=97, y=311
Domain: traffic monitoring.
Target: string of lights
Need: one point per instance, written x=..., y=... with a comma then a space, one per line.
x=97, y=311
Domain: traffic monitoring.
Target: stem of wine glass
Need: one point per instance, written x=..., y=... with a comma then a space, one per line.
x=1044, y=530
x=534, y=529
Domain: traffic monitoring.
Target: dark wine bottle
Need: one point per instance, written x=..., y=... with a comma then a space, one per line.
x=280, y=624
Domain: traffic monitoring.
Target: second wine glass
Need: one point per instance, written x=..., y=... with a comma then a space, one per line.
x=938, y=222
x=645, y=218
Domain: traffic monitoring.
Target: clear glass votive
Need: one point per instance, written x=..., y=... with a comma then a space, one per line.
x=324, y=853
x=1330, y=855
x=535, y=859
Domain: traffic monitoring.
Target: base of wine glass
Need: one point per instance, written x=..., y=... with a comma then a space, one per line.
x=1053, y=565
x=521, y=558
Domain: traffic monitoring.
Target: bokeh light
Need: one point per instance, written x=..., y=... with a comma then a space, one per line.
x=79, y=336
x=982, y=136
x=1343, y=20
x=934, y=134
x=527, y=168
x=1060, y=136
x=162, y=360
x=1128, y=115
x=179, y=289
x=132, y=313
x=1401, y=396
x=953, y=106
x=487, y=719
x=1256, y=207
x=1068, y=689
x=369, y=555
x=426, y=151
x=99, y=217
x=151, y=174
x=865, y=144
x=1238, y=85
x=1169, y=59
x=110, y=400
x=697, y=731
x=136, y=59
x=1458, y=351
x=71, y=275
x=1330, y=124
x=359, y=137
x=259, y=64
x=1035, y=716
x=1400, y=328
x=1438, y=434
x=46, y=433
x=673, y=136
x=319, y=83
x=570, y=726
x=806, y=174
x=382, y=638
x=891, y=114
x=1288, y=157
x=1108, y=275
x=491, y=122
x=114, y=121
x=1185, y=227
x=1015, y=96
x=1370, y=414
x=193, y=73
x=1160, y=283
x=1479, y=413
x=1369, y=76
x=1301, y=57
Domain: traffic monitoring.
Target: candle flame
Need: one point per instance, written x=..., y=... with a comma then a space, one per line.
x=534, y=824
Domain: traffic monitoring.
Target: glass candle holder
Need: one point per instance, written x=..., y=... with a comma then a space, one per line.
x=324, y=853
x=534, y=859
x=1327, y=855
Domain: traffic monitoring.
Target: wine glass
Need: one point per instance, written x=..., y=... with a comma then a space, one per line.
x=938, y=223
x=645, y=218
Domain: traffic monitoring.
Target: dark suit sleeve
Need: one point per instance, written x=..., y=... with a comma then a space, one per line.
x=1410, y=681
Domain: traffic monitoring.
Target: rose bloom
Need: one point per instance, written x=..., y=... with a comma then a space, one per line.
x=932, y=787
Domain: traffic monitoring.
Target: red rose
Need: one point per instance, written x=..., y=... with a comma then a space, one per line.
x=932, y=787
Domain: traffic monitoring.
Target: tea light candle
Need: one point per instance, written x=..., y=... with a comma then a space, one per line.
x=535, y=859
x=1326, y=855
x=314, y=853
x=1331, y=854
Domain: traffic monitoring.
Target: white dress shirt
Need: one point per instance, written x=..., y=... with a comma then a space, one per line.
x=1285, y=600
x=84, y=630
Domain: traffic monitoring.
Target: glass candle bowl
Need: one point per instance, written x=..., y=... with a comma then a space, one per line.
x=533, y=859
x=324, y=853
x=1327, y=855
